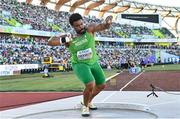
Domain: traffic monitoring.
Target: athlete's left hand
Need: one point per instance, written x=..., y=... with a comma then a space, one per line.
x=108, y=19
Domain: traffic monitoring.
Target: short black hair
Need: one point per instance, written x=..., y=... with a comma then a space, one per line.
x=74, y=17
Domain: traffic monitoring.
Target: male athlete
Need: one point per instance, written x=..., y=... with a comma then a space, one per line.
x=84, y=57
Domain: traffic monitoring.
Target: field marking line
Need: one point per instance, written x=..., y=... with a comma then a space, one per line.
x=131, y=81
x=109, y=96
x=107, y=79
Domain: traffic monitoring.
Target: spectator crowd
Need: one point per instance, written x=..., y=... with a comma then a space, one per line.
x=32, y=49
x=16, y=50
x=44, y=19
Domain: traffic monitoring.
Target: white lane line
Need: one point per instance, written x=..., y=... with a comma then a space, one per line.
x=111, y=94
x=107, y=79
x=131, y=81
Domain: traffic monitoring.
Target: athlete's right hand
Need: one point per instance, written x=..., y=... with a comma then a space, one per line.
x=65, y=37
x=69, y=35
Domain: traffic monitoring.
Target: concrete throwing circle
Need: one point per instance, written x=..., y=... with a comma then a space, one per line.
x=96, y=114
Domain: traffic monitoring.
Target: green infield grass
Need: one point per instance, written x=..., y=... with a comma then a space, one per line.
x=62, y=81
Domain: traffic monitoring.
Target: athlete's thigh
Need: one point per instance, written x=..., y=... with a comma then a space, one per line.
x=83, y=72
x=98, y=74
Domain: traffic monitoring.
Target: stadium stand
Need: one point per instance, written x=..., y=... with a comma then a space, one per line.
x=16, y=50
x=25, y=15
x=32, y=49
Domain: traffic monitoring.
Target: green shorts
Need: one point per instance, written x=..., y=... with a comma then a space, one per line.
x=87, y=73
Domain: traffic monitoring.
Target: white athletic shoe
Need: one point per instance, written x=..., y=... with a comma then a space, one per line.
x=85, y=111
x=91, y=106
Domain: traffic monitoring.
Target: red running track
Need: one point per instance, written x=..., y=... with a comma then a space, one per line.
x=168, y=80
x=9, y=100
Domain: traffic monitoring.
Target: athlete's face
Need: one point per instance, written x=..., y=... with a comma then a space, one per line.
x=79, y=26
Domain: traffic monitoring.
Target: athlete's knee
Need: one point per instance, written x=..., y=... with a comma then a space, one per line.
x=101, y=87
x=90, y=86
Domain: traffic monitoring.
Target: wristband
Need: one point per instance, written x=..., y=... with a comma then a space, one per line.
x=63, y=40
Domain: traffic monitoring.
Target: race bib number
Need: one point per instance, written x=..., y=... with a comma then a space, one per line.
x=85, y=54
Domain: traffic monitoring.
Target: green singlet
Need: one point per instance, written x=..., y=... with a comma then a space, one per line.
x=83, y=49
x=85, y=60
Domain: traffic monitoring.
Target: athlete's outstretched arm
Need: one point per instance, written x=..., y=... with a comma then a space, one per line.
x=59, y=39
x=100, y=27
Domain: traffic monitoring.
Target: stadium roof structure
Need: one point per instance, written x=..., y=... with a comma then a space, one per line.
x=168, y=9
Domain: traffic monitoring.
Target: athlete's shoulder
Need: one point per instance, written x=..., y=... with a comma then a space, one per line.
x=91, y=27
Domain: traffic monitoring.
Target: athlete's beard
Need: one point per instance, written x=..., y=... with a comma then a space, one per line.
x=83, y=31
